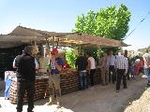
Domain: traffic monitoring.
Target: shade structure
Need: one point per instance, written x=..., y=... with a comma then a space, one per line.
x=8, y=41
x=91, y=40
x=22, y=35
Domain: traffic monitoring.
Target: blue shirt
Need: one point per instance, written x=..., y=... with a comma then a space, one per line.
x=54, y=70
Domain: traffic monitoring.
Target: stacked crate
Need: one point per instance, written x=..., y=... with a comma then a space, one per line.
x=40, y=88
x=69, y=83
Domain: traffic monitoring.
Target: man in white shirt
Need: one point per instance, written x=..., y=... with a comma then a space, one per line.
x=111, y=63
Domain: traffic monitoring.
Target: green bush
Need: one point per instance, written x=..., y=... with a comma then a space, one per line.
x=71, y=57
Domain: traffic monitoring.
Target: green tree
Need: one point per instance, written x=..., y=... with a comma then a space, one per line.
x=110, y=22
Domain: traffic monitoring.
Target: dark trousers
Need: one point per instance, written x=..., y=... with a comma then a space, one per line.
x=27, y=86
x=128, y=75
x=92, y=72
x=120, y=75
x=112, y=74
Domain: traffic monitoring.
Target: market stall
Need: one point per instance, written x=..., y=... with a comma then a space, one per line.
x=69, y=83
x=38, y=39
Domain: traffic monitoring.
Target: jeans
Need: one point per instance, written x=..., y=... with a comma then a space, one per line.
x=131, y=70
x=83, y=79
x=147, y=73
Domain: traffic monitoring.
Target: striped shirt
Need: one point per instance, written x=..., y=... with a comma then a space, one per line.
x=121, y=62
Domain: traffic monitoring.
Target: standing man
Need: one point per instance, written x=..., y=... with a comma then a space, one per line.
x=26, y=66
x=56, y=65
x=126, y=55
x=91, y=67
x=122, y=69
x=111, y=62
x=81, y=64
x=146, y=59
x=104, y=69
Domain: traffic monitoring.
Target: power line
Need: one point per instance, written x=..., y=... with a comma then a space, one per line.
x=137, y=26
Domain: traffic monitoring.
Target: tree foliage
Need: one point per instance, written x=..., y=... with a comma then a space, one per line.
x=110, y=22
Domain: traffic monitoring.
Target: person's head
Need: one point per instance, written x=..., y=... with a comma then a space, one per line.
x=147, y=50
x=110, y=52
x=120, y=52
x=105, y=55
x=54, y=51
x=28, y=50
x=125, y=53
x=88, y=54
x=80, y=54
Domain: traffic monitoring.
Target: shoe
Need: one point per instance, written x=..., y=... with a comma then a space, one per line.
x=49, y=103
x=148, y=85
x=30, y=110
x=19, y=111
x=58, y=106
x=125, y=87
x=117, y=91
x=103, y=84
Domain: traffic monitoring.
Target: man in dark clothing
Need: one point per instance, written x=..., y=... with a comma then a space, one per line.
x=81, y=64
x=26, y=66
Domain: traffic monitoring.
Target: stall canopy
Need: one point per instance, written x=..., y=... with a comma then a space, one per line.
x=22, y=35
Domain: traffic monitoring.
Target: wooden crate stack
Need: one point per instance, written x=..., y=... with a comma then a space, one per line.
x=69, y=83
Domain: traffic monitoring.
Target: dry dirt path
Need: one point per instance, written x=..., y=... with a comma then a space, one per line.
x=95, y=99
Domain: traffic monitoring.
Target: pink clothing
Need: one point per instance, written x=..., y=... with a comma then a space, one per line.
x=137, y=67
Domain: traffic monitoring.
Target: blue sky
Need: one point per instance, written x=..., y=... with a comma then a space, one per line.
x=61, y=15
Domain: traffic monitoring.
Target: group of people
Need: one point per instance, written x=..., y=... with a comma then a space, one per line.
x=85, y=65
x=114, y=68
x=26, y=65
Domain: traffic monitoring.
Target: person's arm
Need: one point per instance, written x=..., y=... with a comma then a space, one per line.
x=14, y=62
x=36, y=64
x=59, y=64
x=76, y=63
x=145, y=61
x=59, y=67
x=126, y=65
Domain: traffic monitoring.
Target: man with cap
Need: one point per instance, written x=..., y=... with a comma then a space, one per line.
x=26, y=66
x=56, y=65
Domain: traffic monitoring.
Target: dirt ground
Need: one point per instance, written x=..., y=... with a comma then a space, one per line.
x=94, y=99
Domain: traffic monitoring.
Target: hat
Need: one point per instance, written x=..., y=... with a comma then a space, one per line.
x=28, y=49
x=55, y=51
